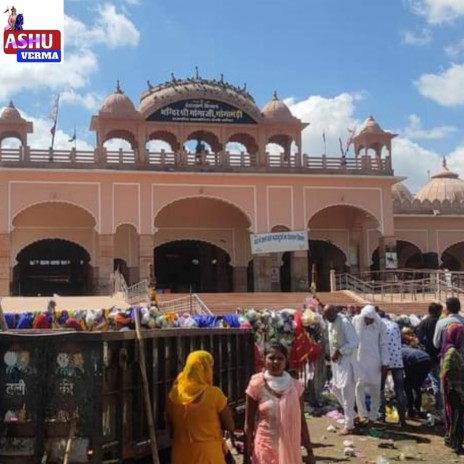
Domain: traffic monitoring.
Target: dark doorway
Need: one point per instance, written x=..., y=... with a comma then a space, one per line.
x=52, y=266
x=192, y=265
x=121, y=266
x=322, y=257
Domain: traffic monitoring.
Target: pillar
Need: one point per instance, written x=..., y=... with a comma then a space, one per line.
x=299, y=269
x=5, y=274
x=240, y=275
x=105, y=265
x=146, y=254
x=262, y=273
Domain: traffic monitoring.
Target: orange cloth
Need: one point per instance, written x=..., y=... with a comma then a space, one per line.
x=197, y=429
x=196, y=376
x=193, y=409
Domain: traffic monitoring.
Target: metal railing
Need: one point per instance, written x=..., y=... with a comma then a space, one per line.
x=191, y=304
x=139, y=292
x=101, y=158
x=427, y=289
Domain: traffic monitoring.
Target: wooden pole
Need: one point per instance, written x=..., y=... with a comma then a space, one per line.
x=146, y=389
x=72, y=432
x=3, y=324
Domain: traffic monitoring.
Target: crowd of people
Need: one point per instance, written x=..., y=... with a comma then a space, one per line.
x=366, y=348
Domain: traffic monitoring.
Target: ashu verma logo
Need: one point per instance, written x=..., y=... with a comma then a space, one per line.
x=30, y=46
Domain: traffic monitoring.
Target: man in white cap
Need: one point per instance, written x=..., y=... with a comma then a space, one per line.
x=372, y=357
x=343, y=347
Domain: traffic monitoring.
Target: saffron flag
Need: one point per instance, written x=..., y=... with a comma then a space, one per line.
x=341, y=146
x=54, y=115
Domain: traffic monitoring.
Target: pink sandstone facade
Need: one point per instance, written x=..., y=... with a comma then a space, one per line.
x=184, y=216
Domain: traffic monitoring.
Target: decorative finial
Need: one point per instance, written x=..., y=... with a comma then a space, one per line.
x=244, y=86
x=11, y=104
x=222, y=78
x=274, y=96
x=173, y=78
x=149, y=84
x=444, y=162
x=118, y=87
x=197, y=74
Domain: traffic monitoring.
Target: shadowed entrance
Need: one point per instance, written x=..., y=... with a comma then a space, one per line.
x=52, y=266
x=193, y=265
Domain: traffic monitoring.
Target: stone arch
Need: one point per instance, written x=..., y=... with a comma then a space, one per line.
x=409, y=255
x=121, y=134
x=206, y=136
x=245, y=139
x=52, y=265
x=186, y=265
x=165, y=136
x=55, y=203
x=226, y=201
x=126, y=251
x=12, y=135
x=358, y=207
x=452, y=258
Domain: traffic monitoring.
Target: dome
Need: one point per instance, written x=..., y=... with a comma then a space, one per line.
x=445, y=185
x=10, y=113
x=118, y=104
x=196, y=87
x=277, y=110
x=401, y=193
x=371, y=126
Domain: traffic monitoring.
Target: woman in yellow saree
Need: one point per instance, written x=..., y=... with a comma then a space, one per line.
x=198, y=414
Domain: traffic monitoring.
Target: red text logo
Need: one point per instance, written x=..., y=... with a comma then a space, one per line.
x=14, y=41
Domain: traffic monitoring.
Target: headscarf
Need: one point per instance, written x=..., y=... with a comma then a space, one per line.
x=359, y=322
x=452, y=338
x=195, y=378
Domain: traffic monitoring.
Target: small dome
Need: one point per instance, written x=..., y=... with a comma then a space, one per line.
x=10, y=113
x=401, y=193
x=118, y=104
x=445, y=185
x=371, y=126
x=277, y=110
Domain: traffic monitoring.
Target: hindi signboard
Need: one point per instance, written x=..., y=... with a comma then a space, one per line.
x=201, y=110
x=279, y=242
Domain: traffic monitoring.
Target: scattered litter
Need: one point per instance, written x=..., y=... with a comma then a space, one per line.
x=334, y=414
x=349, y=452
x=348, y=444
x=331, y=428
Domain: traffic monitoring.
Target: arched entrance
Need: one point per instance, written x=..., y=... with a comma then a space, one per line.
x=192, y=265
x=409, y=257
x=322, y=257
x=52, y=266
x=453, y=257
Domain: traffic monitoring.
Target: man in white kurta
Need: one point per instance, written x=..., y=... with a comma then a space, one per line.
x=372, y=357
x=343, y=345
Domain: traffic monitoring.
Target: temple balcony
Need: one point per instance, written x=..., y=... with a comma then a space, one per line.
x=183, y=161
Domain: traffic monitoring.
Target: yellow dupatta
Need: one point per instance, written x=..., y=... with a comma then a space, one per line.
x=194, y=379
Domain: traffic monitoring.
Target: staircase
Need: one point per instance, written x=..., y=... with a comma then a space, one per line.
x=227, y=303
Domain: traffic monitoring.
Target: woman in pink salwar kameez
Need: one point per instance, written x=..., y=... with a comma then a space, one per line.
x=11, y=20
x=275, y=426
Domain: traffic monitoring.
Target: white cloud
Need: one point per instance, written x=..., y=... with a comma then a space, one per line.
x=332, y=116
x=422, y=37
x=414, y=162
x=416, y=131
x=445, y=88
x=455, y=50
x=438, y=11
x=111, y=29
x=90, y=101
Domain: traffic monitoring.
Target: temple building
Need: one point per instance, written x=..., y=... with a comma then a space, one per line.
x=202, y=175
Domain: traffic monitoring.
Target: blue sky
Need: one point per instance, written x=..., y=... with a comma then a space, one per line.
x=335, y=62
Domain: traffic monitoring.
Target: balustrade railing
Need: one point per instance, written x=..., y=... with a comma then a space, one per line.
x=426, y=289
x=139, y=159
x=191, y=304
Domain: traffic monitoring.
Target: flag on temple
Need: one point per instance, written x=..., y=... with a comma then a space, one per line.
x=352, y=133
x=323, y=136
x=54, y=115
x=341, y=146
x=73, y=138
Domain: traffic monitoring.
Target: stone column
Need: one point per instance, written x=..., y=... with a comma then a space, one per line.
x=5, y=274
x=146, y=257
x=240, y=278
x=299, y=267
x=262, y=270
x=105, y=265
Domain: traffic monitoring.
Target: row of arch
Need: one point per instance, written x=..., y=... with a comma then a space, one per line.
x=240, y=142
